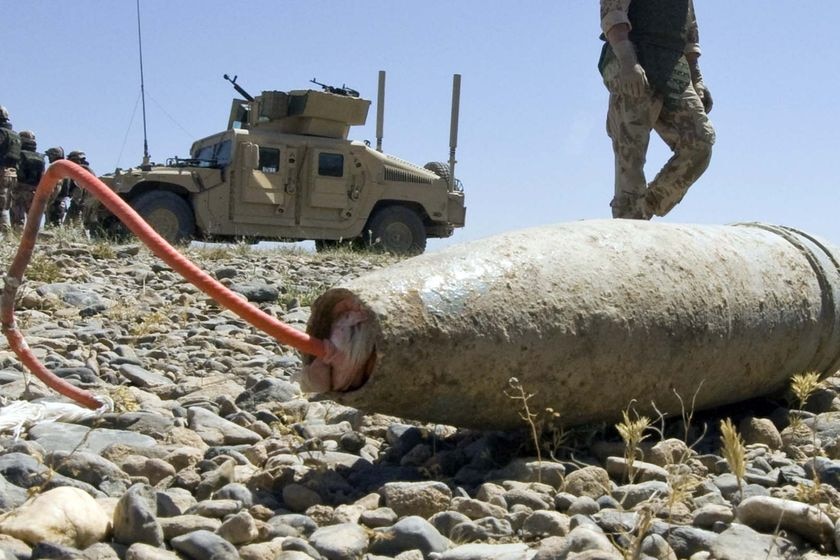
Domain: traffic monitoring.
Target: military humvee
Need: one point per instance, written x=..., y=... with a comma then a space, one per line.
x=285, y=170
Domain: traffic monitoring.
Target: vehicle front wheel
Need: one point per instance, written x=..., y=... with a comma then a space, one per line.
x=397, y=229
x=168, y=214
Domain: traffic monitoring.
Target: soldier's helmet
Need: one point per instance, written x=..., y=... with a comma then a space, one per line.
x=4, y=114
x=55, y=153
x=76, y=156
x=27, y=136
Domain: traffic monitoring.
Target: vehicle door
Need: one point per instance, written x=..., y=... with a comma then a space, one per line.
x=327, y=201
x=262, y=195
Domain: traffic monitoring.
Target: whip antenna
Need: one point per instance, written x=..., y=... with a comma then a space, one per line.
x=146, y=162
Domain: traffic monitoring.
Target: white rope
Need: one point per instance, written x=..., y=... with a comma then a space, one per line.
x=18, y=415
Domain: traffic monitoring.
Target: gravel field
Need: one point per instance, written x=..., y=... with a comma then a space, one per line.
x=211, y=450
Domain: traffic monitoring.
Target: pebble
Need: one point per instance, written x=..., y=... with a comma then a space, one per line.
x=182, y=524
x=337, y=542
x=591, y=481
x=214, y=430
x=409, y=533
x=204, y=544
x=765, y=513
x=417, y=498
x=64, y=516
x=212, y=451
x=239, y=529
x=135, y=517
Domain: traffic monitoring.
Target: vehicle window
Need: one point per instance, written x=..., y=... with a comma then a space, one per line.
x=217, y=153
x=205, y=153
x=269, y=160
x=223, y=153
x=330, y=165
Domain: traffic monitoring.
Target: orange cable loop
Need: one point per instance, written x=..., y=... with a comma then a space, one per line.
x=63, y=169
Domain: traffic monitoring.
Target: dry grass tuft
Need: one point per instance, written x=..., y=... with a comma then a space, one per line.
x=633, y=433
x=803, y=386
x=516, y=392
x=102, y=249
x=734, y=451
x=43, y=269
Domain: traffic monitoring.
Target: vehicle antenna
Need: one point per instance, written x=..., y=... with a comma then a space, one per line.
x=380, y=110
x=146, y=159
x=453, y=127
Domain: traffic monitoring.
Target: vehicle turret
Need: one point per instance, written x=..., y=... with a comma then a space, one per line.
x=328, y=113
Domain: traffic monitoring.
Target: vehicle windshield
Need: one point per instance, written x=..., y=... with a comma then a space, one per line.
x=217, y=155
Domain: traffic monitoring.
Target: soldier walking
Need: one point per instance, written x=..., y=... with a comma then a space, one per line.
x=29, y=171
x=9, y=158
x=649, y=65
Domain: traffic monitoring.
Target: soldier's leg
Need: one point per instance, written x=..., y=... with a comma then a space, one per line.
x=19, y=205
x=8, y=182
x=14, y=212
x=689, y=133
x=629, y=122
x=27, y=194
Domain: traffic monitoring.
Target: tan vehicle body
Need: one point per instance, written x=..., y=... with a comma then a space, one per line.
x=285, y=170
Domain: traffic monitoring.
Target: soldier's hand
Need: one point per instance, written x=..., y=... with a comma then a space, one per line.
x=633, y=80
x=697, y=79
x=631, y=77
x=705, y=96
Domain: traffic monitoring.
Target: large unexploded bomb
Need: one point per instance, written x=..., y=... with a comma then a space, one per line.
x=588, y=316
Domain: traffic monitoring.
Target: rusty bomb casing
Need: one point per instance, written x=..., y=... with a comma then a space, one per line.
x=591, y=315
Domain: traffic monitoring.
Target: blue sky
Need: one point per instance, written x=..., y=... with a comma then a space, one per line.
x=532, y=146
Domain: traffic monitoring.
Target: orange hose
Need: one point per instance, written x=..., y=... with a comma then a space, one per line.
x=61, y=169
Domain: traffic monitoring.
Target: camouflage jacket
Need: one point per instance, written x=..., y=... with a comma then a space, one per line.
x=614, y=12
x=30, y=167
x=9, y=146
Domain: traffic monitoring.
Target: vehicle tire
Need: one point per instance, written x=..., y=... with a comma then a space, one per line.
x=169, y=214
x=398, y=230
x=440, y=169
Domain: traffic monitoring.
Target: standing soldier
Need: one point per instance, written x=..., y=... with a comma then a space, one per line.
x=59, y=201
x=649, y=65
x=9, y=157
x=76, y=193
x=30, y=169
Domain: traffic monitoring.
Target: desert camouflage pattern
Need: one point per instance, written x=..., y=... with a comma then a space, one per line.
x=614, y=12
x=8, y=185
x=685, y=128
x=21, y=201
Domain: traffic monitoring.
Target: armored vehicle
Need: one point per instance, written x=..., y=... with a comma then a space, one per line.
x=285, y=170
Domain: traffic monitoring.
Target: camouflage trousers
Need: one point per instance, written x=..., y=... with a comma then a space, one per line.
x=21, y=201
x=685, y=128
x=8, y=185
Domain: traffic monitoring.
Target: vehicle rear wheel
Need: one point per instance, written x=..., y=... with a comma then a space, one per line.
x=397, y=229
x=169, y=215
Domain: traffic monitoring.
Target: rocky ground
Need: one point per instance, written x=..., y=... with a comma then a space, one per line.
x=212, y=452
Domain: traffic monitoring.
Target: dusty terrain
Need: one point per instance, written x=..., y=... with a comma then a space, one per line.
x=211, y=450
